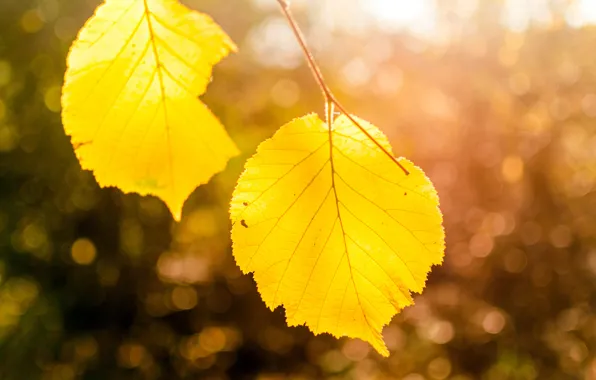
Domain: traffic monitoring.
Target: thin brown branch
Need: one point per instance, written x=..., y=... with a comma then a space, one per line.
x=314, y=67
x=328, y=95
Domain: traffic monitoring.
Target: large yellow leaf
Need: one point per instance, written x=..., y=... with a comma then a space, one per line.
x=130, y=98
x=333, y=229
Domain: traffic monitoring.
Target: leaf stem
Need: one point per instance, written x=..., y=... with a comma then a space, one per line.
x=328, y=95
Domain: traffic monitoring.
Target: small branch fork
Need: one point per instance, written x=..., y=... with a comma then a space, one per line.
x=330, y=99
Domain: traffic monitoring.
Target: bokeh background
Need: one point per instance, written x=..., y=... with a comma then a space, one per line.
x=494, y=99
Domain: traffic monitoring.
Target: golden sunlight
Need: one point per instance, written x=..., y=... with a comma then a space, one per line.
x=419, y=16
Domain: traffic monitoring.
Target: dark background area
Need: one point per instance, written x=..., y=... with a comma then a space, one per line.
x=95, y=284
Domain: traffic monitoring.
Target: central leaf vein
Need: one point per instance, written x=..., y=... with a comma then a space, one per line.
x=343, y=230
x=158, y=63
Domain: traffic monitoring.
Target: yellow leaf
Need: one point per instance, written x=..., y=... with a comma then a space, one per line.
x=130, y=98
x=333, y=229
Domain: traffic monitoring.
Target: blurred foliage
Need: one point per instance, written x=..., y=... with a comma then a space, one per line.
x=95, y=284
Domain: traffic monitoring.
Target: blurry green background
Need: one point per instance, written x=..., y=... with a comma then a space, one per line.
x=494, y=99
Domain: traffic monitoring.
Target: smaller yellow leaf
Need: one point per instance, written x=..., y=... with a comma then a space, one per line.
x=333, y=229
x=130, y=101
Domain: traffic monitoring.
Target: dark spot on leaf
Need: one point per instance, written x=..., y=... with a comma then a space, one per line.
x=405, y=193
x=245, y=203
x=243, y=222
x=77, y=145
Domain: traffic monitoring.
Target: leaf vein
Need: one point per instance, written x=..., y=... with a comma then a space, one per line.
x=119, y=93
x=380, y=237
x=283, y=214
x=299, y=242
x=315, y=265
x=109, y=28
x=278, y=179
x=399, y=184
x=383, y=210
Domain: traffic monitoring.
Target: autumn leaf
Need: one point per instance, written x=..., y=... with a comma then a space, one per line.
x=333, y=229
x=130, y=98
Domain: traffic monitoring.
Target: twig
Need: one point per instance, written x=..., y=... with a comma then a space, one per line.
x=328, y=95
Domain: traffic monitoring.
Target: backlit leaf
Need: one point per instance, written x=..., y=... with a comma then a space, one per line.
x=333, y=229
x=130, y=98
